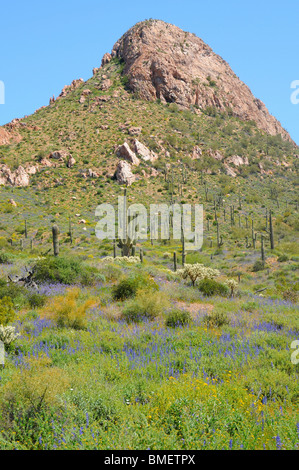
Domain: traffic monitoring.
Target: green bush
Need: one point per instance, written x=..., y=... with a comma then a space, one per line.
x=177, y=317
x=146, y=306
x=128, y=286
x=211, y=287
x=4, y=258
x=282, y=258
x=259, y=265
x=18, y=294
x=36, y=300
x=65, y=270
x=7, y=313
x=216, y=319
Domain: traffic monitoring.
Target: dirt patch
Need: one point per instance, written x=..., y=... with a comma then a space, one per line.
x=194, y=308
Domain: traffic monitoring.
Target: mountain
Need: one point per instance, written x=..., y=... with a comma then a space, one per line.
x=163, y=62
x=161, y=97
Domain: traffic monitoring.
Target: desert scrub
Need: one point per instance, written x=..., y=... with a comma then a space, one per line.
x=128, y=286
x=210, y=287
x=4, y=258
x=65, y=270
x=68, y=310
x=177, y=317
x=146, y=306
x=7, y=313
x=216, y=319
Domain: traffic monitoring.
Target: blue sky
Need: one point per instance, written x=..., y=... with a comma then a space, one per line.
x=46, y=44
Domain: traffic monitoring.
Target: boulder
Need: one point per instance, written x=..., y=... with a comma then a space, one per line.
x=230, y=171
x=71, y=162
x=124, y=152
x=123, y=173
x=60, y=155
x=144, y=152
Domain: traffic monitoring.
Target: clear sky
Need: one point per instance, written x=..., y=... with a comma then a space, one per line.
x=46, y=44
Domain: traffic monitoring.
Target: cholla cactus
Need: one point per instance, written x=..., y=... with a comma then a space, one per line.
x=197, y=272
x=8, y=335
x=232, y=284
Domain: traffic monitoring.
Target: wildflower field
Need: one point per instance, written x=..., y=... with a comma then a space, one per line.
x=101, y=366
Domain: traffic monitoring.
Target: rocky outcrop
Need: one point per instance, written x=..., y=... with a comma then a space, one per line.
x=163, y=62
x=144, y=152
x=237, y=160
x=68, y=88
x=7, y=137
x=124, y=152
x=123, y=173
x=59, y=155
x=196, y=153
x=106, y=59
x=106, y=84
x=19, y=177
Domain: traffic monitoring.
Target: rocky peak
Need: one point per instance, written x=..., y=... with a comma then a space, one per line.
x=163, y=62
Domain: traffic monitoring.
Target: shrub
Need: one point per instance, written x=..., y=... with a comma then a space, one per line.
x=36, y=300
x=216, y=319
x=282, y=258
x=65, y=270
x=211, y=287
x=128, y=286
x=7, y=313
x=67, y=311
x=145, y=307
x=177, y=317
x=4, y=258
x=258, y=266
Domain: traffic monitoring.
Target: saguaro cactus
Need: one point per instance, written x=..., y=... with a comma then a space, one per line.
x=271, y=231
x=262, y=249
x=174, y=261
x=55, y=233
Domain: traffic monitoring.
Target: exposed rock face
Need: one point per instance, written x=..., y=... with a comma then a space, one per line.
x=197, y=153
x=68, y=88
x=7, y=137
x=237, y=160
x=124, y=152
x=162, y=61
x=123, y=173
x=106, y=84
x=144, y=152
x=216, y=154
x=106, y=58
x=18, y=177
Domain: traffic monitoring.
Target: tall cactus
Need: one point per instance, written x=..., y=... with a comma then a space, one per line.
x=271, y=231
x=55, y=233
x=262, y=249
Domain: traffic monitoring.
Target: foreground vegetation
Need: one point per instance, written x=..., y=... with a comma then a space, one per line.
x=164, y=365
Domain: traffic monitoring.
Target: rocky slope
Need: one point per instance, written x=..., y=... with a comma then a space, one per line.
x=163, y=62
